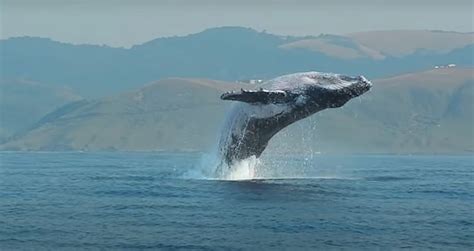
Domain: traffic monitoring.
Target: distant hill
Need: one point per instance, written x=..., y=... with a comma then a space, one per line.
x=171, y=114
x=380, y=45
x=400, y=43
x=424, y=112
x=23, y=103
x=228, y=54
x=341, y=47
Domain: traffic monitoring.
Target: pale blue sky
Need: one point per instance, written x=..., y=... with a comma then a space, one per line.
x=124, y=23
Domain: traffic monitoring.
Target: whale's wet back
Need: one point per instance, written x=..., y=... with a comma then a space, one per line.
x=277, y=103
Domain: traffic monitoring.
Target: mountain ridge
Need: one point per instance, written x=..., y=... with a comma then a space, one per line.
x=226, y=54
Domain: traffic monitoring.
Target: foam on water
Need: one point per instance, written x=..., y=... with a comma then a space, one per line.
x=212, y=168
x=242, y=170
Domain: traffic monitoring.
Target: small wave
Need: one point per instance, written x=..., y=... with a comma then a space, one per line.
x=387, y=178
x=124, y=178
x=307, y=178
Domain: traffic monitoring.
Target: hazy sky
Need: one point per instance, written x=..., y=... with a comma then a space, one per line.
x=124, y=23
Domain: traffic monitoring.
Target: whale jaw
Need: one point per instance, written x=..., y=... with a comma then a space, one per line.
x=337, y=94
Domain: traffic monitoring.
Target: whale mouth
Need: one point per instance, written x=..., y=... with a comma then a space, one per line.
x=361, y=86
x=354, y=86
x=364, y=80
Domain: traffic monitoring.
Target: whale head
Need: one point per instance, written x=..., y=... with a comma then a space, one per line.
x=333, y=90
x=313, y=90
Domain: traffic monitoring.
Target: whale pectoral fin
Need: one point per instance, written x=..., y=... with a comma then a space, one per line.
x=258, y=96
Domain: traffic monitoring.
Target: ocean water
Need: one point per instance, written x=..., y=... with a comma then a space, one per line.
x=161, y=201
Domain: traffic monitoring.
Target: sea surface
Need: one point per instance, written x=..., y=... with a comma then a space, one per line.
x=152, y=200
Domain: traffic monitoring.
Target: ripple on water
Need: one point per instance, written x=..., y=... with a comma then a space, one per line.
x=140, y=201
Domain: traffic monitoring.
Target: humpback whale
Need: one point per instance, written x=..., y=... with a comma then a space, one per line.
x=262, y=112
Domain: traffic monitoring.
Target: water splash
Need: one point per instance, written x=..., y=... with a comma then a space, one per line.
x=243, y=170
x=212, y=168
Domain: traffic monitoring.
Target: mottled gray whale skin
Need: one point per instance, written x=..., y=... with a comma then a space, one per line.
x=277, y=103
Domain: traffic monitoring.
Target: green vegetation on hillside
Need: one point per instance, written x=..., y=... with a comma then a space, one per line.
x=426, y=112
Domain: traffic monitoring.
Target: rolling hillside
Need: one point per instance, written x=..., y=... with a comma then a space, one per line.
x=380, y=45
x=400, y=43
x=172, y=114
x=23, y=103
x=424, y=112
x=228, y=54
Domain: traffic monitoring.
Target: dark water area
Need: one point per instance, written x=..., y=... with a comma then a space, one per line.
x=149, y=201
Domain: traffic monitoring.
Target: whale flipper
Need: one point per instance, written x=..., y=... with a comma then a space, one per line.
x=258, y=96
